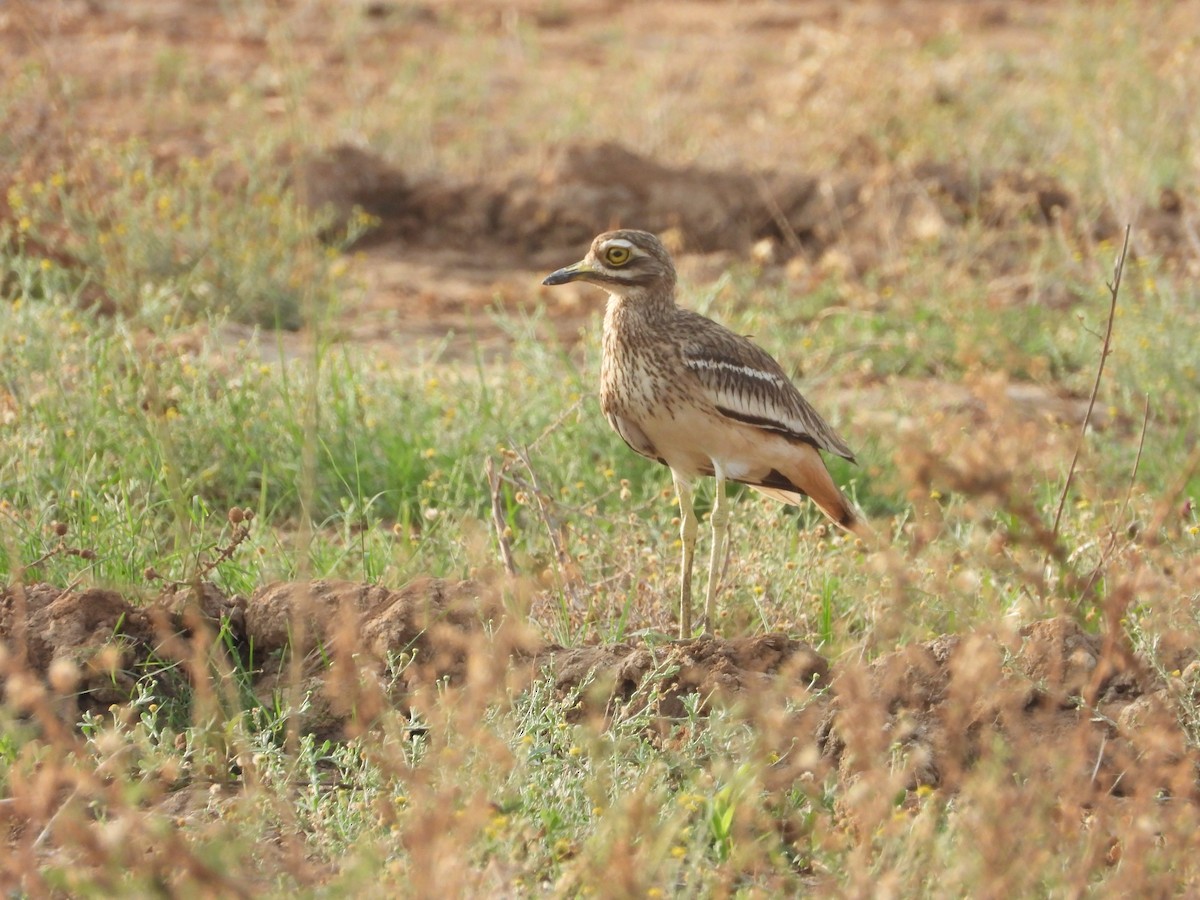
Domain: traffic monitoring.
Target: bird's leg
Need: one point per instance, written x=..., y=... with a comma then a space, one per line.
x=687, y=534
x=719, y=517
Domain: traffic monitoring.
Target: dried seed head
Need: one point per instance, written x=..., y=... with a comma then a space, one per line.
x=63, y=675
x=23, y=691
x=106, y=660
x=59, y=528
x=236, y=515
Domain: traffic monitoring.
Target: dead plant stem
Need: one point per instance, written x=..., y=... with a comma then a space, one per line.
x=1114, y=289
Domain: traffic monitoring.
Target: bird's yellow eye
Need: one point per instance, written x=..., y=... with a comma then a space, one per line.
x=618, y=256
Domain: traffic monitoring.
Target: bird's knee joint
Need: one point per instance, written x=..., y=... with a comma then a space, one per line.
x=688, y=527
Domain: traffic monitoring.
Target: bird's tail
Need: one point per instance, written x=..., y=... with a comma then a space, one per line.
x=835, y=504
x=807, y=476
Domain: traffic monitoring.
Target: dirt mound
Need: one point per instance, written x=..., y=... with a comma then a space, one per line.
x=663, y=676
x=934, y=710
x=587, y=187
x=352, y=637
x=421, y=618
x=94, y=636
x=1060, y=693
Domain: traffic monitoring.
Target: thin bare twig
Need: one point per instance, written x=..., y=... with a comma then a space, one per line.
x=1114, y=289
x=777, y=215
x=44, y=834
x=555, y=425
x=506, y=554
x=1113, y=532
x=240, y=519
x=1137, y=460
x=554, y=529
x=62, y=550
x=1099, y=758
x=240, y=533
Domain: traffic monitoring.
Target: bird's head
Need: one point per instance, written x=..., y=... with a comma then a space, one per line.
x=627, y=263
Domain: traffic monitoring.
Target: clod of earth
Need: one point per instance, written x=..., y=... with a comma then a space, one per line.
x=931, y=711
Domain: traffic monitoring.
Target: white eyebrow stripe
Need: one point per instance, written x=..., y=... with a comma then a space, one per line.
x=699, y=363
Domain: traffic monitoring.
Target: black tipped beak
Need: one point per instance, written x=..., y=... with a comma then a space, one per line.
x=569, y=273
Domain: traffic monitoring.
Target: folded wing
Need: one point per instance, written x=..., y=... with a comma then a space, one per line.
x=745, y=384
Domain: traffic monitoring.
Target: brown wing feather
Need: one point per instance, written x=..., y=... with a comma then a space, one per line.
x=744, y=383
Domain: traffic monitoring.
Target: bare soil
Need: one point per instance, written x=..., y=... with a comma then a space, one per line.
x=934, y=710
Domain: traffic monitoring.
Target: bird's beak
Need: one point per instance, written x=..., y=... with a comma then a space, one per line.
x=574, y=272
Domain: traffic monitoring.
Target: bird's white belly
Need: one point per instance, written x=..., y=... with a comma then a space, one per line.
x=694, y=441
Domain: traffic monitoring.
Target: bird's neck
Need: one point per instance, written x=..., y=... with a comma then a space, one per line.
x=638, y=307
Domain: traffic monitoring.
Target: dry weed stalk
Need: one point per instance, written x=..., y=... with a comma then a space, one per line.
x=240, y=519
x=528, y=486
x=62, y=549
x=503, y=532
x=1114, y=289
x=525, y=487
x=1131, y=532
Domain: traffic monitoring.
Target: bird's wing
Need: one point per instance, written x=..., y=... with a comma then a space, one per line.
x=744, y=383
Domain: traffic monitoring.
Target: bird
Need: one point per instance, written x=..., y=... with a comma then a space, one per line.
x=702, y=400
